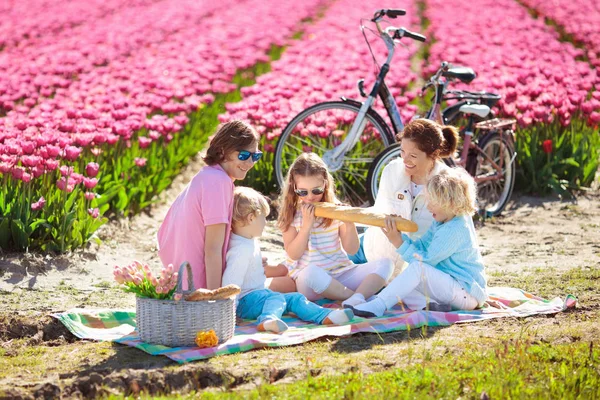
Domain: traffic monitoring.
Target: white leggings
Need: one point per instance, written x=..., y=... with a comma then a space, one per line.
x=312, y=281
x=420, y=283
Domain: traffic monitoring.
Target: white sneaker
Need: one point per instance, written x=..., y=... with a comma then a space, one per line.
x=353, y=300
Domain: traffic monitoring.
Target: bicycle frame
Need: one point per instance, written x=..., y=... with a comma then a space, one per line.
x=334, y=158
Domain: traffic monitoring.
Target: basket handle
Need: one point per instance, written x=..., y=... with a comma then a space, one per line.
x=188, y=268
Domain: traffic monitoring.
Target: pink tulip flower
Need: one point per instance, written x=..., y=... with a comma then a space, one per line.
x=38, y=205
x=90, y=183
x=92, y=169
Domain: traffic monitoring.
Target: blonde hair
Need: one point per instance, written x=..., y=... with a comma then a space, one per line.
x=307, y=164
x=454, y=190
x=246, y=202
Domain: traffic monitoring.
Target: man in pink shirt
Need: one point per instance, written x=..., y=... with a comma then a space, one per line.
x=198, y=224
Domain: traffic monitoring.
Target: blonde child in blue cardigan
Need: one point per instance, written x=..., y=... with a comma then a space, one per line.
x=445, y=266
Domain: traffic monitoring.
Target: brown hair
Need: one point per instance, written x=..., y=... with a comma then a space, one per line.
x=246, y=202
x=431, y=138
x=454, y=190
x=231, y=136
x=307, y=164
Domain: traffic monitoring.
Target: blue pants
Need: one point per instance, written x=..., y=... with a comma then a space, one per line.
x=359, y=257
x=266, y=304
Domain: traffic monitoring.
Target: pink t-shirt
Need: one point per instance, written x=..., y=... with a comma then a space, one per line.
x=207, y=200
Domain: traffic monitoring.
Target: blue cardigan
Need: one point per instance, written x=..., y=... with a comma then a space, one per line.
x=452, y=248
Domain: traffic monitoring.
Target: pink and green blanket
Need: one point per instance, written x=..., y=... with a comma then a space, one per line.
x=119, y=325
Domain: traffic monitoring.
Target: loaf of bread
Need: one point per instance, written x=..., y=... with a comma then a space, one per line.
x=217, y=294
x=361, y=216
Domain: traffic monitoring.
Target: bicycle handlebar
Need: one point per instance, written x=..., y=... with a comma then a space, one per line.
x=394, y=13
x=399, y=33
x=434, y=79
x=413, y=35
x=389, y=13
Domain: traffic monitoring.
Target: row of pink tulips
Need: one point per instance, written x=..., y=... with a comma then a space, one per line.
x=110, y=104
x=323, y=66
x=19, y=26
x=578, y=18
x=553, y=94
x=122, y=116
x=30, y=74
x=518, y=56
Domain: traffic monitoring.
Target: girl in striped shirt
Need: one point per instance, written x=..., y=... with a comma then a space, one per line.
x=317, y=247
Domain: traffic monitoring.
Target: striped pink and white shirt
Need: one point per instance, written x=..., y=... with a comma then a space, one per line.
x=324, y=249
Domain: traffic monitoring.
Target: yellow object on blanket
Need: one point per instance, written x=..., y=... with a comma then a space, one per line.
x=206, y=339
x=361, y=216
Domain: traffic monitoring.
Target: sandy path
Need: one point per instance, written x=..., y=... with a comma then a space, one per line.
x=532, y=233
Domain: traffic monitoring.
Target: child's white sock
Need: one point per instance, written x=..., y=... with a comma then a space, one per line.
x=337, y=317
x=370, y=309
x=272, y=325
x=353, y=300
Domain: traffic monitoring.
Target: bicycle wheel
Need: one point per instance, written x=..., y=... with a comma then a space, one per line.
x=323, y=127
x=376, y=170
x=493, y=191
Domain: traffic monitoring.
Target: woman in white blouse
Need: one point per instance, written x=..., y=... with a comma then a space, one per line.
x=424, y=144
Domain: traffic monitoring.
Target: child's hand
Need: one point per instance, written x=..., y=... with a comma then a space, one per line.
x=308, y=215
x=391, y=232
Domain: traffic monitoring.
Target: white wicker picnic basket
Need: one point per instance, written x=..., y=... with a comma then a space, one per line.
x=176, y=323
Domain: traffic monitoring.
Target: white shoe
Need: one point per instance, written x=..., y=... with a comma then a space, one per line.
x=353, y=300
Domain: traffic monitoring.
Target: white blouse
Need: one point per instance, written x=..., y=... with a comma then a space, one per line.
x=398, y=195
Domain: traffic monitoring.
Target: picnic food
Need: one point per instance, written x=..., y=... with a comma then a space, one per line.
x=216, y=294
x=361, y=215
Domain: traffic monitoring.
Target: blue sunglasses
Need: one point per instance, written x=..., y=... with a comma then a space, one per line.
x=245, y=154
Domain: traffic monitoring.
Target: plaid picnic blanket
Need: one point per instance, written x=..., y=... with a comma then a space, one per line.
x=119, y=325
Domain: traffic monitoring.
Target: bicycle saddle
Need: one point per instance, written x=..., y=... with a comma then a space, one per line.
x=464, y=74
x=487, y=98
x=478, y=109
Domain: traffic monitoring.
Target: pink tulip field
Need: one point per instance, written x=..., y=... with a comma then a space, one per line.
x=20, y=25
x=324, y=66
x=553, y=94
x=128, y=115
x=103, y=102
x=579, y=19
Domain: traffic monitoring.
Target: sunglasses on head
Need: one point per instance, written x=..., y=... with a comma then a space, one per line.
x=245, y=154
x=315, y=191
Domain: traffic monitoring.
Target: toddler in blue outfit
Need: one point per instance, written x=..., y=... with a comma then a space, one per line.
x=244, y=267
x=445, y=265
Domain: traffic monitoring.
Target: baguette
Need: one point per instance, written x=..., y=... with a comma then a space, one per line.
x=217, y=294
x=198, y=295
x=226, y=292
x=361, y=216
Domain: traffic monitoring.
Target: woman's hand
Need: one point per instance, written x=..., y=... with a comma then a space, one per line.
x=308, y=216
x=391, y=232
